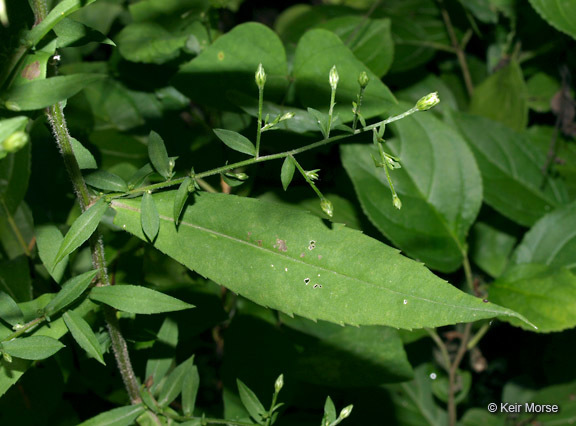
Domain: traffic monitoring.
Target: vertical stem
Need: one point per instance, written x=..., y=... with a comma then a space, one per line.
x=452, y=374
x=358, y=105
x=330, y=112
x=259, y=130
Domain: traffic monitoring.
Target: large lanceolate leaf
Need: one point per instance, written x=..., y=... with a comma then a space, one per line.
x=439, y=185
x=289, y=260
x=229, y=65
x=551, y=241
x=317, y=52
x=558, y=13
x=510, y=170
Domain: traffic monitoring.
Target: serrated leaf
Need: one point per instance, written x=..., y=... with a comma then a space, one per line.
x=190, y=388
x=287, y=172
x=506, y=89
x=83, y=156
x=71, y=290
x=439, y=185
x=83, y=335
x=33, y=347
x=236, y=141
x=544, y=295
x=558, y=13
x=136, y=299
x=272, y=251
x=158, y=366
x=551, y=241
x=181, y=197
x=158, y=154
x=39, y=94
x=173, y=384
x=510, y=169
x=150, y=217
x=251, y=402
x=82, y=229
x=106, y=181
x=122, y=416
x=48, y=240
x=9, y=310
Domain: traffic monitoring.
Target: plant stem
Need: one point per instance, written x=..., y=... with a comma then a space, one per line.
x=305, y=176
x=452, y=374
x=251, y=161
x=331, y=111
x=259, y=129
x=458, y=48
x=357, y=109
x=478, y=336
x=468, y=271
x=441, y=345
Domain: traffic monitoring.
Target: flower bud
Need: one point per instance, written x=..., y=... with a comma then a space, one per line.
x=396, y=201
x=238, y=176
x=334, y=78
x=428, y=101
x=7, y=357
x=260, y=77
x=279, y=383
x=15, y=141
x=346, y=411
x=287, y=116
x=327, y=207
x=312, y=174
x=363, y=79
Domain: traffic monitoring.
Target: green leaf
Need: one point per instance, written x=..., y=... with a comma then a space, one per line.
x=11, y=125
x=363, y=281
x=149, y=42
x=321, y=120
x=316, y=53
x=236, y=141
x=481, y=416
x=150, y=217
x=541, y=88
x=558, y=13
x=139, y=177
x=483, y=10
x=544, y=295
x=83, y=156
x=439, y=185
x=33, y=347
x=15, y=279
x=83, y=335
x=82, y=229
x=158, y=154
x=181, y=197
x=329, y=412
x=151, y=10
x=173, y=384
x=551, y=241
x=287, y=172
x=14, y=177
x=48, y=240
x=230, y=63
x=510, y=169
x=502, y=97
x=190, y=388
x=490, y=248
x=158, y=366
x=9, y=310
x=251, y=402
x=137, y=300
x=106, y=181
x=122, y=416
x=39, y=94
x=369, y=39
x=71, y=290
x=72, y=33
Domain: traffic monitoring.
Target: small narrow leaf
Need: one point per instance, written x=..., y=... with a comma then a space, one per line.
x=329, y=412
x=48, y=240
x=150, y=217
x=236, y=141
x=71, y=290
x=251, y=402
x=141, y=174
x=158, y=367
x=123, y=416
x=173, y=384
x=287, y=172
x=190, y=388
x=83, y=335
x=83, y=156
x=180, y=198
x=137, y=300
x=158, y=155
x=34, y=347
x=321, y=120
x=81, y=229
x=106, y=181
x=9, y=310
